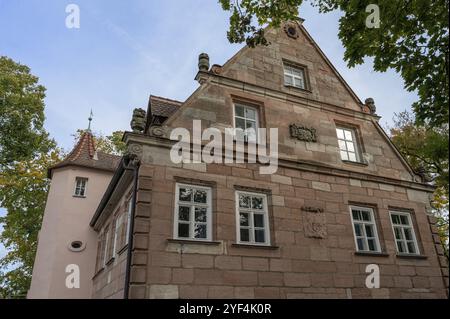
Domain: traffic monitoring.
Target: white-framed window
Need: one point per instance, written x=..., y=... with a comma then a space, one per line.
x=246, y=119
x=347, y=144
x=365, y=229
x=193, y=218
x=295, y=76
x=106, y=247
x=405, y=237
x=80, y=186
x=252, y=218
x=117, y=228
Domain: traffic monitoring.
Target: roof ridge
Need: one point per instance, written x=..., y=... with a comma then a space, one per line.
x=165, y=99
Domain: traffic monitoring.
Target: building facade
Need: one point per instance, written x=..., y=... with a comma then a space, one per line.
x=65, y=239
x=341, y=202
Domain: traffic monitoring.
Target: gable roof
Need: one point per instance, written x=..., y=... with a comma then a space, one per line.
x=306, y=34
x=160, y=109
x=84, y=154
x=161, y=106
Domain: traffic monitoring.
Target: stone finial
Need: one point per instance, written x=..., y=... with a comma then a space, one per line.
x=203, y=62
x=370, y=103
x=138, y=121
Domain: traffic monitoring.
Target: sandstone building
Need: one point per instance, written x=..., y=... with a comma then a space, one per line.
x=342, y=198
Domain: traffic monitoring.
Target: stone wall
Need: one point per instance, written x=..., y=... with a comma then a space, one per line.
x=296, y=265
x=109, y=279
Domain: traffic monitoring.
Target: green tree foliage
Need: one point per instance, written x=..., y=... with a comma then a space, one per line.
x=426, y=149
x=22, y=134
x=111, y=144
x=25, y=153
x=23, y=193
x=413, y=39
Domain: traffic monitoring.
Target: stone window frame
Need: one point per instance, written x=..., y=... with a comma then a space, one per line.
x=266, y=218
x=128, y=206
x=411, y=225
x=118, y=223
x=99, y=260
x=208, y=205
x=76, y=192
x=373, y=223
x=106, y=235
x=305, y=71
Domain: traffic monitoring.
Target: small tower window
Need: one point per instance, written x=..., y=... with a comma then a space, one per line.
x=80, y=186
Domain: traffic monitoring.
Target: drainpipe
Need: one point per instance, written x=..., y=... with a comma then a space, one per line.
x=134, y=162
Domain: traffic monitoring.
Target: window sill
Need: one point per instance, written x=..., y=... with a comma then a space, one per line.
x=371, y=254
x=411, y=256
x=79, y=196
x=292, y=87
x=190, y=241
x=122, y=250
x=110, y=261
x=355, y=163
x=270, y=247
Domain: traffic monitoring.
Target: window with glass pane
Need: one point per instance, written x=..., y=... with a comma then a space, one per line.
x=252, y=218
x=193, y=212
x=246, y=120
x=365, y=230
x=80, y=186
x=347, y=144
x=294, y=76
x=405, y=238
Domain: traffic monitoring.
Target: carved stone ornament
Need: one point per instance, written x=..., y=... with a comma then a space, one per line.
x=138, y=121
x=303, y=133
x=134, y=149
x=370, y=104
x=291, y=30
x=314, y=222
x=216, y=69
x=157, y=131
x=203, y=62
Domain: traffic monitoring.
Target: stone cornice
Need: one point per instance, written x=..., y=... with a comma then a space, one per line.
x=302, y=165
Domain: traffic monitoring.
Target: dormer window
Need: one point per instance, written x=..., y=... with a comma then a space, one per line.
x=296, y=76
x=80, y=187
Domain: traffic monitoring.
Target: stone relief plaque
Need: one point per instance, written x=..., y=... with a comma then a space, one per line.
x=314, y=222
x=302, y=133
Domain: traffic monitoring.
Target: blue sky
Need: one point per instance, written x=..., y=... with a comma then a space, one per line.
x=126, y=50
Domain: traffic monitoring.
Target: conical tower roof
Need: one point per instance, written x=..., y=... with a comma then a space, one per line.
x=84, y=154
